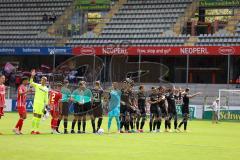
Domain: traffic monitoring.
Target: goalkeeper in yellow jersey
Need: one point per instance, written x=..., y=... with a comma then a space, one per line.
x=40, y=101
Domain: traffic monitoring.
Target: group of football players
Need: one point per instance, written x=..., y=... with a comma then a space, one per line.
x=162, y=103
x=87, y=101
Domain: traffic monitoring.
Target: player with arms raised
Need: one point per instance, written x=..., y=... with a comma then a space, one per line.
x=185, y=108
x=40, y=101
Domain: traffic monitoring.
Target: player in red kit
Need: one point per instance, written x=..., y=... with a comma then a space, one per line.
x=21, y=105
x=55, y=105
x=2, y=95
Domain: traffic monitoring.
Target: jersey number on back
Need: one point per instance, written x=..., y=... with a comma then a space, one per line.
x=53, y=97
x=96, y=96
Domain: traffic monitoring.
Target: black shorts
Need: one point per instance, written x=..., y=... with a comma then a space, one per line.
x=155, y=111
x=87, y=108
x=185, y=110
x=97, y=110
x=172, y=111
x=77, y=109
x=173, y=115
x=164, y=113
x=142, y=112
x=185, y=115
x=123, y=109
x=130, y=111
x=65, y=109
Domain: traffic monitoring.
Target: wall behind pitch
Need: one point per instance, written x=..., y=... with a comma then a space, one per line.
x=226, y=113
x=196, y=111
x=29, y=105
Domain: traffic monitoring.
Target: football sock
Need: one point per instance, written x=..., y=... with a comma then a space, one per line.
x=154, y=124
x=175, y=124
x=131, y=125
x=58, y=124
x=79, y=125
x=93, y=125
x=33, y=123
x=150, y=126
x=73, y=124
x=166, y=124
x=109, y=122
x=37, y=123
x=142, y=123
x=127, y=126
x=169, y=124
x=52, y=123
x=181, y=123
x=137, y=124
x=185, y=125
x=84, y=125
x=118, y=123
x=21, y=124
x=158, y=124
x=99, y=123
x=55, y=122
x=65, y=124
x=122, y=123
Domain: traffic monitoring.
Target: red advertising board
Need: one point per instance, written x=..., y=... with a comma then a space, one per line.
x=159, y=51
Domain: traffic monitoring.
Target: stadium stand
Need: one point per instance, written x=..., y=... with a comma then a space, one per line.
x=22, y=21
x=140, y=23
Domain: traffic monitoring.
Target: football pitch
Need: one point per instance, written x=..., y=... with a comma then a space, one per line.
x=203, y=141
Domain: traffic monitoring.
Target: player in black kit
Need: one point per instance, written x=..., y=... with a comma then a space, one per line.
x=131, y=108
x=97, y=109
x=155, y=111
x=124, y=122
x=141, y=108
x=163, y=104
x=172, y=113
x=185, y=108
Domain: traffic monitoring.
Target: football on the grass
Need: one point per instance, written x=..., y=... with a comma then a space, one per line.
x=100, y=131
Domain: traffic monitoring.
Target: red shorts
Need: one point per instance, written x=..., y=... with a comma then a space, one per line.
x=54, y=113
x=22, y=110
x=1, y=111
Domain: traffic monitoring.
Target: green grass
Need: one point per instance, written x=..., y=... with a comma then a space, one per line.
x=204, y=141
